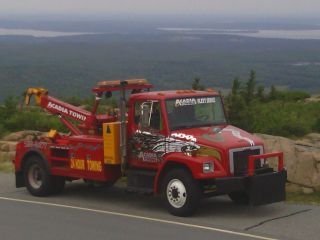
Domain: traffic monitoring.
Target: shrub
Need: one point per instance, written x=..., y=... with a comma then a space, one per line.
x=33, y=120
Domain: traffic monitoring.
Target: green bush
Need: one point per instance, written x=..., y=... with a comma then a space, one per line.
x=316, y=126
x=3, y=131
x=282, y=113
x=74, y=100
x=33, y=120
x=293, y=95
x=279, y=118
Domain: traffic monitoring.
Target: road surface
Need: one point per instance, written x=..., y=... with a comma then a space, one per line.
x=81, y=212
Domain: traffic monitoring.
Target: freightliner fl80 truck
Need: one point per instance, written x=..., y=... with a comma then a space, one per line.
x=177, y=144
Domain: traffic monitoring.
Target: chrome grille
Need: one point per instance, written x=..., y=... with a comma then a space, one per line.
x=239, y=160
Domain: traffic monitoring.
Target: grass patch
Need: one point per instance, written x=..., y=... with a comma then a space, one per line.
x=6, y=167
x=299, y=197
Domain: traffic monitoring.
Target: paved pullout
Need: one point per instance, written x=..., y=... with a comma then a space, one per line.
x=121, y=215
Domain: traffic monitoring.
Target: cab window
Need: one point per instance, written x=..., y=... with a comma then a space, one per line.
x=148, y=115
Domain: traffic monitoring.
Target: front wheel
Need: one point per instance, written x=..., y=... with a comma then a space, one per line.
x=181, y=192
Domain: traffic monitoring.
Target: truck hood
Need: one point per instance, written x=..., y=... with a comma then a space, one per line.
x=223, y=137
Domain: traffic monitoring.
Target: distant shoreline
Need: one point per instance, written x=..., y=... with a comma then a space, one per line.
x=302, y=34
x=39, y=33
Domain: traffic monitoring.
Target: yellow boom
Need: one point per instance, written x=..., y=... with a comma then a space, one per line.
x=37, y=92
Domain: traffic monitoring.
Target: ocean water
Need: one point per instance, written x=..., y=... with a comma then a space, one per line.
x=280, y=34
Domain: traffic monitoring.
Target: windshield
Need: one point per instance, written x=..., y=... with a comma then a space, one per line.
x=195, y=112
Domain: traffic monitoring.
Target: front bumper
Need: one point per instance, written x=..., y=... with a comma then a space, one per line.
x=262, y=189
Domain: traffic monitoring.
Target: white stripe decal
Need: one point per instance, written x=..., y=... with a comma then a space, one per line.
x=237, y=134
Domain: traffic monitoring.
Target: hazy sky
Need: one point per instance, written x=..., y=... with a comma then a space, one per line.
x=179, y=7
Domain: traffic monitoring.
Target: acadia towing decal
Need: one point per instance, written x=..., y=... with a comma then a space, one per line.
x=66, y=111
x=194, y=101
x=152, y=147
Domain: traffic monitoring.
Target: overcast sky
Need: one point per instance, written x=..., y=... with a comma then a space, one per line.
x=179, y=7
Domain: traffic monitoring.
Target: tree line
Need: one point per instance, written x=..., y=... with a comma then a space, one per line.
x=284, y=113
x=249, y=106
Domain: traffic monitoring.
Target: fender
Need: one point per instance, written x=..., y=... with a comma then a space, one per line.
x=25, y=148
x=193, y=163
x=33, y=151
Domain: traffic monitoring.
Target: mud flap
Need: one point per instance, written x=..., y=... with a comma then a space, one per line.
x=19, y=180
x=267, y=188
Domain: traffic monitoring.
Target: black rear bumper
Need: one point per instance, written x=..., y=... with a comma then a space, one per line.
x=262, y=189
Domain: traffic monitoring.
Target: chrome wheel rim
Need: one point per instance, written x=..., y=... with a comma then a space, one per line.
x=35, y=177
x=176, y=193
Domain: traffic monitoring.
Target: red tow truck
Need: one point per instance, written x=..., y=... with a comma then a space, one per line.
x=177, y=144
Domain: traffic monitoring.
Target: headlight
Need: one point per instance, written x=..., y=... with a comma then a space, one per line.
x=208, y=167
x=209, y=152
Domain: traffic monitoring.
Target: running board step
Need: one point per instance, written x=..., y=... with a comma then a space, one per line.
x=146, y=191
x=140, y=181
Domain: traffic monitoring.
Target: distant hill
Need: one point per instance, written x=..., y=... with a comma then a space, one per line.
x=70, y=66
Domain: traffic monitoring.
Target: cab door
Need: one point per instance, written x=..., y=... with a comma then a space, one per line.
x=146, y=133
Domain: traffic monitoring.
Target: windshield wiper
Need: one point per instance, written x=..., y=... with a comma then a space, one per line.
x=183, y=127
x=211, y=124
x=197, y=125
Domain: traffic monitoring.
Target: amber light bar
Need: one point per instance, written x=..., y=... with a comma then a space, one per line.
x=116, y=83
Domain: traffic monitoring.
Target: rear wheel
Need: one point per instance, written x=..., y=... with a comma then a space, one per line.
x=181, y=192
x=58, y=185
x=241, y=198
x=37, y=177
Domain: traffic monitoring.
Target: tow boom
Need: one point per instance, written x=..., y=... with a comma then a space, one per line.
x=89, y=121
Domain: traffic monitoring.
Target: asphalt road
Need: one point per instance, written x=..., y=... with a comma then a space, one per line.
x=81, y=212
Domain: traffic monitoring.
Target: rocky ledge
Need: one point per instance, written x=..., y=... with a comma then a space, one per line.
x=8, y=146
x=302, y=160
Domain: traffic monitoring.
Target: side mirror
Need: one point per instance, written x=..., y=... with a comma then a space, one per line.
x=145, y=115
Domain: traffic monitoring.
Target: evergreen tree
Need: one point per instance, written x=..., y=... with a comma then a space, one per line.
x=260, y=93
x=9, y=107
x=236, y=105
x=236, y=85
x=196, y=85
x=250, y=88
x=273, y=94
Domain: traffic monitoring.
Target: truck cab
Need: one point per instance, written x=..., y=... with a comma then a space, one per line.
x=161, y=123
x=186, y=133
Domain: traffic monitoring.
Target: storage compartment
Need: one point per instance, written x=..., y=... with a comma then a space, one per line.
x=111, y=143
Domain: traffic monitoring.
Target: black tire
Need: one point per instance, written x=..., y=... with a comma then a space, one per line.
x=58, y=184
x=37, y=177
x=181, y=200
x=241, y=198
